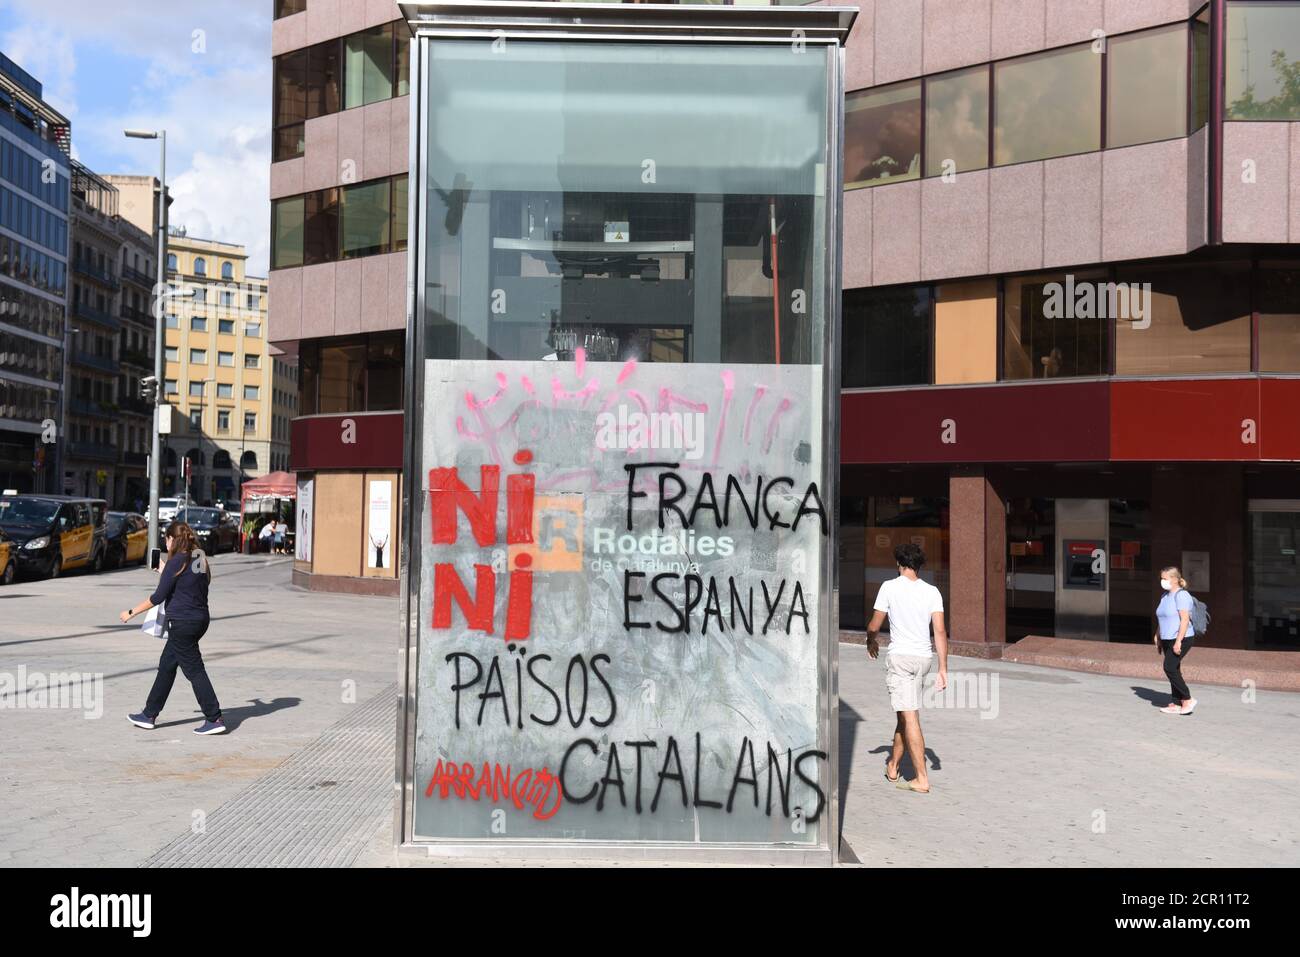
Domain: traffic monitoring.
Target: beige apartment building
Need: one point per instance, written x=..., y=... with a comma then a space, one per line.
x=233, y=394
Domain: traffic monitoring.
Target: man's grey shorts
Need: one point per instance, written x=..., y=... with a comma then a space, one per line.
x=905, y=677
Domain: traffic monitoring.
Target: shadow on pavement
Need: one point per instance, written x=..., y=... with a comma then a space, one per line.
x=1157, y=699
x=234, y=717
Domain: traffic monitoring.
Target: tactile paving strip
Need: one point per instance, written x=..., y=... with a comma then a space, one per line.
x=319, y=808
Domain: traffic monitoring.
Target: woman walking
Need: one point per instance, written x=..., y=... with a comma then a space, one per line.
x=183, y=586
x=1174, y=637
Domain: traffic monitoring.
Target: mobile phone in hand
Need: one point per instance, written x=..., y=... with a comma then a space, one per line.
x=155, y=558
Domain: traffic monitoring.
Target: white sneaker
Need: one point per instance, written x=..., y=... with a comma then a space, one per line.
x=1189, y=707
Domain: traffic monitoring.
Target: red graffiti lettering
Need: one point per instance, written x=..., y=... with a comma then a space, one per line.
x=539, y=790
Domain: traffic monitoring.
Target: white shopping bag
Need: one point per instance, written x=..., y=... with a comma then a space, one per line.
x=155, y=621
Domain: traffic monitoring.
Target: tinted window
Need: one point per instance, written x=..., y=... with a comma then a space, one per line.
x=887, y=336
x=1263, y=61
x=957, y=121
x=1047, y=104
x=1279, y=320
x=1146, y=93
x=882, y=135
x=1053, y=327
x=1199, y=321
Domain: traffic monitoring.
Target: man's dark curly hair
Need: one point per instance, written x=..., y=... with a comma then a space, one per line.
x=910, y=556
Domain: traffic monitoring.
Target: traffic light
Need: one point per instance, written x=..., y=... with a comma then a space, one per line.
x=149, y=388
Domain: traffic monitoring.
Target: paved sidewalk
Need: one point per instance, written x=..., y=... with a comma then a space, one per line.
x=1067, y=768
x=286, y=664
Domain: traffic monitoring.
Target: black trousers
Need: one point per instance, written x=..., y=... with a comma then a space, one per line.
x=182, y=649
x=1174, y=668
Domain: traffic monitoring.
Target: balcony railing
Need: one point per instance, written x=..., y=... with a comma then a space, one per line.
x=92, y=450
x=135, y=406
x=87, y=268
x=102, y=363
x=137, y=358
x=139, y=278
x=90, y=407
x=137, y=315
x=83, y=311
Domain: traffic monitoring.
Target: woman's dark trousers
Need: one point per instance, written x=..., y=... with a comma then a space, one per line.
x=1174, y=669
x=182, y=649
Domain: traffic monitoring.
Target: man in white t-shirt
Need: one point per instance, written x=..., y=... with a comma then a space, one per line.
x=912, y=606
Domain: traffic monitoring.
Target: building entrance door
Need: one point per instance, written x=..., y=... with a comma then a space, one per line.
x=1082, y=565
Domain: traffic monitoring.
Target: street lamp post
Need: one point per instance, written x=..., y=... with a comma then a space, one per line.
x=155, y=463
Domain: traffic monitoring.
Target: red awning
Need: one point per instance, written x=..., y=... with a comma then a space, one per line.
x=279, y=484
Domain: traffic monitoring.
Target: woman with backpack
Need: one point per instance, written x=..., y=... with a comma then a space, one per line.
x=1174, y=636
x=183, y=586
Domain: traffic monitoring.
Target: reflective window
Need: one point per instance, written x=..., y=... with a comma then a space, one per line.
x=199, y=357
x=365, y=219
x=287, y=232
x=225, y=390
x=225, y=359
x=227, y=272
x=1146, y=91
x=1054, y=325
x=1199, y=320
x=886, y=337
x=957, y=121
x=369, y=65
x=200, y=267
x=882, y=135
x=1047, y=104
x=1278, y=296
x=1263, y=61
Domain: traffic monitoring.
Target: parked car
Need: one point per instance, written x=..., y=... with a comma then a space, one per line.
x=168, y=507
x=55, y=533
x=128, y=539
x=8, y=560
x=217, y=531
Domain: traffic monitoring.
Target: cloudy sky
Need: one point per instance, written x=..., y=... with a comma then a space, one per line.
x=200, y=70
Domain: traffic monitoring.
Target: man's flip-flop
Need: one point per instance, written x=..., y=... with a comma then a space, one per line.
x=893, y=780
x=904, y=785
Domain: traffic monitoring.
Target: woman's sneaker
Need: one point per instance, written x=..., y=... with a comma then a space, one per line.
x=1189, y=707
x=141, y=720
x=212, y=727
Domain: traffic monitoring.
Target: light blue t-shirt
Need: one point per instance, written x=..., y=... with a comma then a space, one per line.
x=1167, y=614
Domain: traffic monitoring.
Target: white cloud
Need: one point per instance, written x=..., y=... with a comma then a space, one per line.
x=203, y=74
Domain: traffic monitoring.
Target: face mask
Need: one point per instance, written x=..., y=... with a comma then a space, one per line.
x=1164, y=583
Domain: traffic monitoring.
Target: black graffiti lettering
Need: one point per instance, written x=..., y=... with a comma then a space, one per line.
x=797, y=597
x=706, y=485
x=458, y=686
x=612, y=764
x=775, y=520
x=692, y=599
x=519, y=692
x=771, y=603
x=633, y=494
x=746, y=748
x=782, y=782
x=545, y=687
x=568, y=690
x=812, y=782
x=671, y=755
x=629, y=599
x=613, y=702
x=747, y=621
x=638, y=746
x=711, y=606
x=699, y=801
x=564, y=765
x=487, y=693
x=681, y=618
x=666, y=503
x=819, y=511
x=750, y=513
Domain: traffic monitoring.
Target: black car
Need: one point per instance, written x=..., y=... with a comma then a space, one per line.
x=128, y=539
x=217, y=531
x=54, y=533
